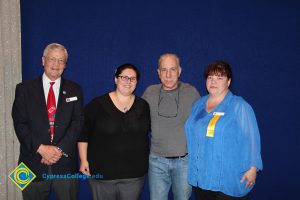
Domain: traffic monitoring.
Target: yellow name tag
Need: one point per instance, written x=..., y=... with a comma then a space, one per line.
x=210, y=132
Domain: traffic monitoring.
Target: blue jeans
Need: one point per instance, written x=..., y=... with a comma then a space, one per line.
x=164, y=173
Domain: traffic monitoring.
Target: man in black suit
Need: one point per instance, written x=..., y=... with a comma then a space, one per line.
x=48, y=140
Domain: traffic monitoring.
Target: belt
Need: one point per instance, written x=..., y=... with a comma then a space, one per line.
x=176, y=157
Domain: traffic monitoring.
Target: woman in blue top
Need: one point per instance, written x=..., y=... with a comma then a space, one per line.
x=223, y=140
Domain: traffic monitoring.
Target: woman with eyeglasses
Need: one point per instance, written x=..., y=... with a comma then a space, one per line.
x=113, y=146
x=223, y=140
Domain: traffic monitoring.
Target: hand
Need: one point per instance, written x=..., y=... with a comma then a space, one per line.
x=46, y=162
x=84, y=167
x=250, y=177
x=49, y=153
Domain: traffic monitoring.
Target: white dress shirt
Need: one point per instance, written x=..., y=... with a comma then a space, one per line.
x=46, y=86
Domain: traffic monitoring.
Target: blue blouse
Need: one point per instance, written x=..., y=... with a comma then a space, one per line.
x=218, y=163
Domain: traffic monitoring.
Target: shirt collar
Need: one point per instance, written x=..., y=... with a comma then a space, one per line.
x=46, y=80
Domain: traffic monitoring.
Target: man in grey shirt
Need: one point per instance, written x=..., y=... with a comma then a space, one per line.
x=170, y=105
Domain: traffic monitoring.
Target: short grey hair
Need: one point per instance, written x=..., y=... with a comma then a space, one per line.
x=168, y=55
x=54, y=46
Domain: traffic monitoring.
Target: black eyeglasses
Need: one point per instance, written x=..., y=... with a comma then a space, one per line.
x=163, y=113
x=126, y=78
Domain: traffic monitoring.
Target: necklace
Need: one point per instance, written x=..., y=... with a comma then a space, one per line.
x=125, y=108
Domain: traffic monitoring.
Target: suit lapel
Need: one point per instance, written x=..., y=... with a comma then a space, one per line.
x=61, y=100
x=40, y=98
x=61, y=94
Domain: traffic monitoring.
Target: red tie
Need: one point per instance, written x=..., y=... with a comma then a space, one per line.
x=51, y=108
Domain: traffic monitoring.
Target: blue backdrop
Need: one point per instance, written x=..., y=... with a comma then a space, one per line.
x=259, y=38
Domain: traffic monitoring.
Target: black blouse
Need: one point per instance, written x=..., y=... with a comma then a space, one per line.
x=117, y=142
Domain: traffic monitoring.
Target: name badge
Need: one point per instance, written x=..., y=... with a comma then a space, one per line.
x=71, y=99
x=219, y=113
